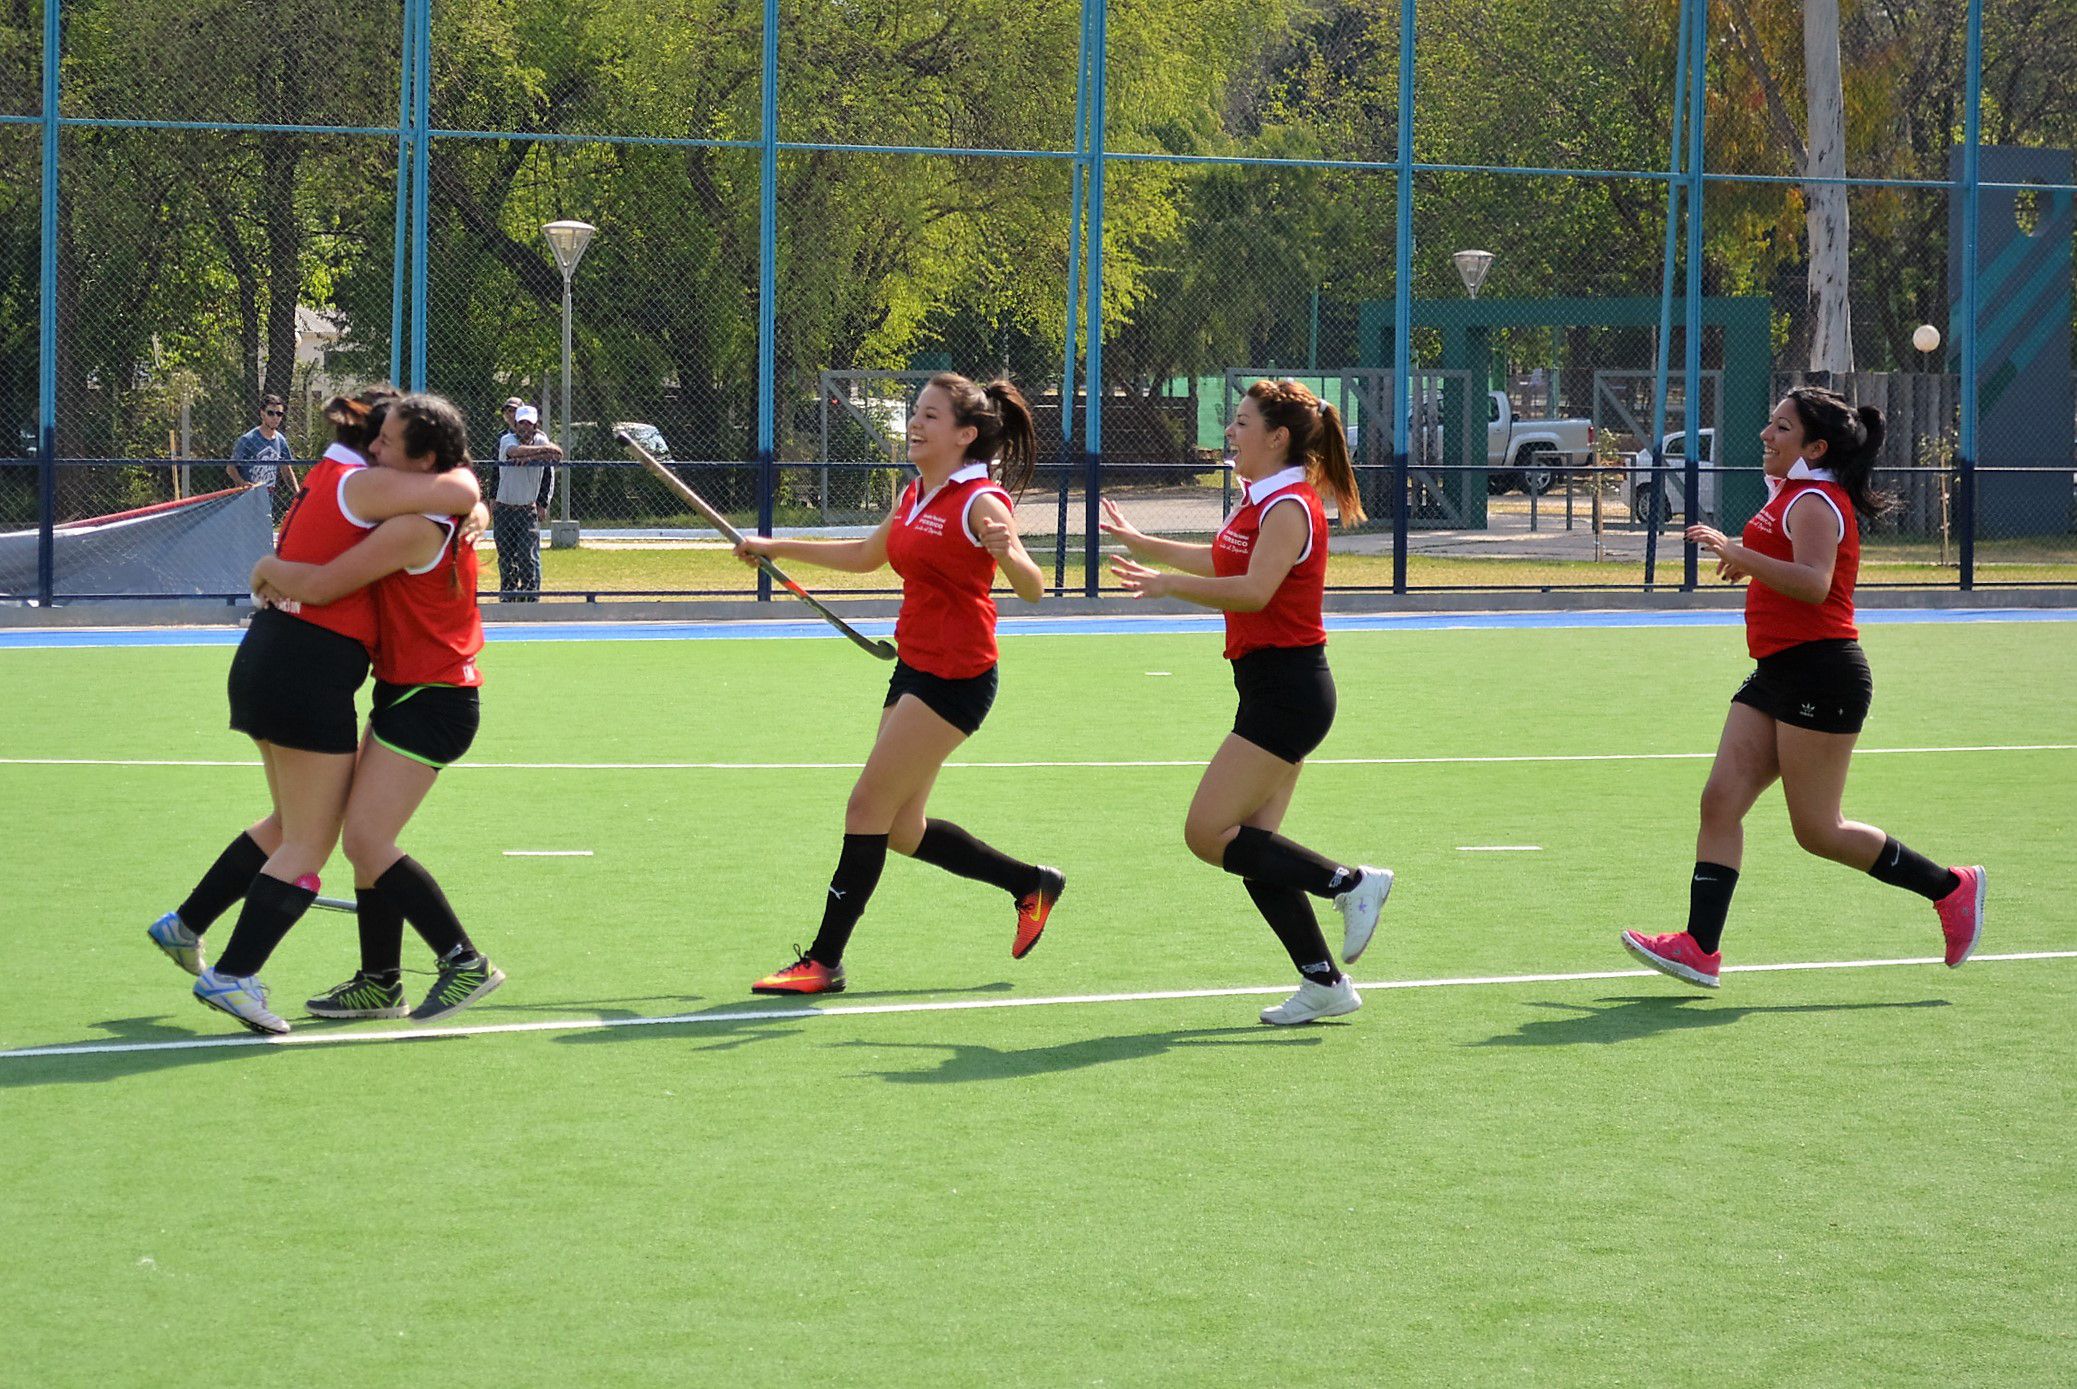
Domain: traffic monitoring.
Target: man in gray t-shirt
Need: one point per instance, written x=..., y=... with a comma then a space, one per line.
x=520, y=504
x=261, y=454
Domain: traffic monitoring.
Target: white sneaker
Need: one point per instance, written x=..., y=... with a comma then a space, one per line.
x=244, y=997
x=181, y=945
x=1315, y=1001
x=1359, y=908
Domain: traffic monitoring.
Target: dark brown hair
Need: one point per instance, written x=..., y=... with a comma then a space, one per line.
x=1853, y=441
x=357, y=419
x=1317, y=440
x=1002, y=424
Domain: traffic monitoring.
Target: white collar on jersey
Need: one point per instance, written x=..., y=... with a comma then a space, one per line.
x=1801, y=471
x=971, y=472
x=339, y=453
x=1261, y=487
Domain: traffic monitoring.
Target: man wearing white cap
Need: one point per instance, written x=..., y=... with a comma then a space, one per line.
x=525, y=483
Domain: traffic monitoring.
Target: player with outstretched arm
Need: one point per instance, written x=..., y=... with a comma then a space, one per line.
x=1267, y=571
x=1798, y=714
x=950, y=533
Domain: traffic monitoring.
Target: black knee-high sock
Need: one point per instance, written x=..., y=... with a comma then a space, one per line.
x=424, y=905
x=850, y=888
x=382, y=932
x=224, y=883
x=1290, y=915
x=1896, y=865
x=1709, y=902
x=947, y=846
x=272, y=908
x=1271, y=858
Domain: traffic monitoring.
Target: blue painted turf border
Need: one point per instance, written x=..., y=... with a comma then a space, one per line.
x=46, y=638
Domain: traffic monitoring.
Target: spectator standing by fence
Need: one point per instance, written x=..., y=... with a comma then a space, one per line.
x=525, y=483
x=261, y=454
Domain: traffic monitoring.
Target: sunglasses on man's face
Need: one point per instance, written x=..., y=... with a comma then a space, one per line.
x=271, y=414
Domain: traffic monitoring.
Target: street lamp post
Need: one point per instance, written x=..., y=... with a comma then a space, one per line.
x=1471, y=268
x=567, y=240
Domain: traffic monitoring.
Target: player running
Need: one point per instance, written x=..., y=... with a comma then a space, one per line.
x=1797, y=716
x=1267, y=571
x=950, y=534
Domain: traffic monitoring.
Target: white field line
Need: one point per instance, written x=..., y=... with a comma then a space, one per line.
x=1021, y=766
x=1499, y=848
x=310, y=1039
x=548, y=853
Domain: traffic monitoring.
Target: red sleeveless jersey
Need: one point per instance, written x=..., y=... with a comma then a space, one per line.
x=430, y=628
x=1774, y=621
x=319, y=528
x=947, y=622
x=1292, y=616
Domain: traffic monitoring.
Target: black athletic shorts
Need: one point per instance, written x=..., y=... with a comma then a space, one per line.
x=292, y=684
x=1824, y=686
x=433, y=724
x=961, y=703
x=1286, y=699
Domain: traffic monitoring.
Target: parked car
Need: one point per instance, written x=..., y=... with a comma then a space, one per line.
x=1532, y=454
x=1673, y=481
x=591, y=442
x=1527, y=454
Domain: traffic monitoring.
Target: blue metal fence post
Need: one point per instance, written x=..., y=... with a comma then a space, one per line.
x=1092, y=426
x=1662, y=363
x=767, y=285
x=1698, y=73
x=1085, y=52
x=1402, y=302
x=47, y=322
x=1971, y=192
x=405, y=91
x=421, y=123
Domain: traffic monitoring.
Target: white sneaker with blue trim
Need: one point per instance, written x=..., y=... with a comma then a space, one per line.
x=244, y=997
x=181, y=945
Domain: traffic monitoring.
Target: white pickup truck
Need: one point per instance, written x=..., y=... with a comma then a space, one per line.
x=1532, y=454
x=1524, y=454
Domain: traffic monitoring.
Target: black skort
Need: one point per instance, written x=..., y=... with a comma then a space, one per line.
x=1286, y=699
x=1824, y=686
x=292, y=684
x=433, y=724
x=961, y=703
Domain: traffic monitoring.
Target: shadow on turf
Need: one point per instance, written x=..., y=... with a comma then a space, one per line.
x=95, y=1068
x=756, y=1025
x=1608, y=1020
x=969, y=1062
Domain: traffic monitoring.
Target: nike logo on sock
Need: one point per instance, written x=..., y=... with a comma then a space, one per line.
x=836, y=893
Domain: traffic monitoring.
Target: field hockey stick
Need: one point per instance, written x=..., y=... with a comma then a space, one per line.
x=883, y=649
x=335, y=904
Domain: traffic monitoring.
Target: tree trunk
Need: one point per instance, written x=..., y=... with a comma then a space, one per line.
x=1831, y=319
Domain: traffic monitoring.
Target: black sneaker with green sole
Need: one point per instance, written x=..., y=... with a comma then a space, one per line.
x=363, y=996
x=460, y=984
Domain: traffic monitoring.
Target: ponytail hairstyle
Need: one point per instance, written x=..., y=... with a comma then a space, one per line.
x=1853, y=441
x=432, y=425
x=1318, y=442
x=357, y=419
x=1002, y=425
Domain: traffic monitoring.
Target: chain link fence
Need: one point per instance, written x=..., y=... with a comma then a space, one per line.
x=1132, y=211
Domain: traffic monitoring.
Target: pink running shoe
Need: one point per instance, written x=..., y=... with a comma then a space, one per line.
x=1676, y=954
x=1961, y=915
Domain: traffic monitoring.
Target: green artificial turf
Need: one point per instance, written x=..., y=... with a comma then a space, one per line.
x=1814, y=1177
